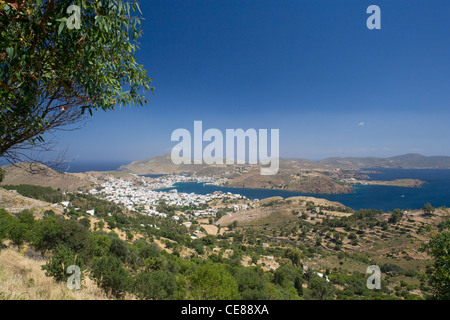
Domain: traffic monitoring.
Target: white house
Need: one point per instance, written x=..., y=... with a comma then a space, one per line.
x=321, y=275
x=187, y=224
x=65, y=203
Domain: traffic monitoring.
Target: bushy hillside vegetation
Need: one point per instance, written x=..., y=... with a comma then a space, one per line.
x=126, y=255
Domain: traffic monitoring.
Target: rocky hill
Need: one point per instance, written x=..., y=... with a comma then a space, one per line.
x=316, y=183
x=327, y=176
x=41, y=175
x=410, y=161
x=163, y=164
x=13, y=202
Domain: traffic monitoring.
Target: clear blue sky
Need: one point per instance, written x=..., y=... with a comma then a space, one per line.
x=309, y=68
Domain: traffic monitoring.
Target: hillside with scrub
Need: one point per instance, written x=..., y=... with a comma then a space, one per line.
x=295, y=248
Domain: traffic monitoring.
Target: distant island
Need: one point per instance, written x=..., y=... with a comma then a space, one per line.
x=406, y=161
x=409, y=183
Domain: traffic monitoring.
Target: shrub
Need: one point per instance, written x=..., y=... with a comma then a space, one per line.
x=46, y=234
x=111, y=276
x=213, y=282
x=319, y=288
x=62, y=258
x=157, y=285
x=119, y=249
x=85, y=222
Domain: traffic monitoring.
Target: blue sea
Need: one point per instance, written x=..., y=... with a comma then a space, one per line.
x=387, y=198
x=152, y=175
x=436, y=190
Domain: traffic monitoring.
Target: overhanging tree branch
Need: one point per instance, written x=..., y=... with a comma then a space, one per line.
x=50, y=75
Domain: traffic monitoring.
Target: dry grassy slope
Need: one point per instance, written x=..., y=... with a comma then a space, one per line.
x=21, y=278
x=47, y=177
x=164, y=165
x=279, y=211
x=411, y=183
x=317, y=183
x=44, y=176
x=399, y=245
x=157, y=165
x=14, y=202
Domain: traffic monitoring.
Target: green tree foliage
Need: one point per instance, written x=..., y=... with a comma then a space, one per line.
x=233, y=225
x=51, y=74
x=130, y=235
x=17, y=232
x=251, y=284
x=111, y=222
x=298, y=285
x=157, y=285
x=85, y=222
x=143, y=269
x=111, y=276
x=208, y=240
x=102, y=207
x=428, y=209
x=286, y=276
x=213, y=282
x=293, y=255
x=6, y=222
x=62, y=258
x=198, y=246
x=319, y=288
x=119, y=249
x=146, y=250
x=165, y=208
x=396, y=216
x=99, y=245
x=27, y=218
x=46, y=234
x=74, y=235
x=16, y=229
x=439, y=276
x=2, y=174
